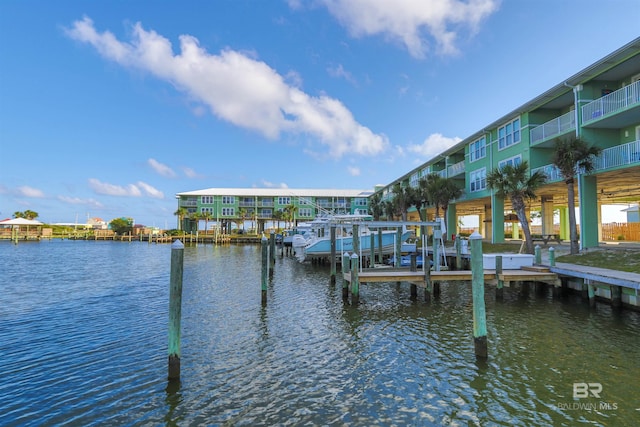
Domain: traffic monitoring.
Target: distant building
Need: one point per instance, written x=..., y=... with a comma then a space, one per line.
x=227, y=205
x=97, y=223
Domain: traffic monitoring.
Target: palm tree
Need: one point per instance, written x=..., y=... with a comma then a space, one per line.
x=290, y=214
x=18, y=214
x=448, y=191
x=389, y=209
x=401, y=200
x=278, y=216
x=375, y=206
x=206, y=216
x=242, y=213
x=514, y=182
x=29, y=214
x=180, y=213
x=572, y=156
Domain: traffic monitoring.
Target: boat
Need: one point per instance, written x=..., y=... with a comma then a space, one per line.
x=316, y=241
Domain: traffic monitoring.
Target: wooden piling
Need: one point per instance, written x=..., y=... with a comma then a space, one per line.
x=477, y=284
x=500, y=285
x=372, y=251
x=592, y=295
x=414, y=287
x=428, y=283
x=458, y=244
x=346, y=266
x=355, y=283
x=175, y=308
x=552, y=257
x=265, y=268
x=616, y=296
x=398, y=259
x=537, y=255
x=333, y=254
x=272, y=248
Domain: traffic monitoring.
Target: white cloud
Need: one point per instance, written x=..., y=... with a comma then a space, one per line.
x=114, y=190
x=353, y=171
x=150, y=191
x=435, y=144
x=411, y=21
x=190, y=173
x=27, y=191
x=339, y=72
x=161, y=169
x=77, y=201
x=238, y=88
x=269, y=184
x=131, y=190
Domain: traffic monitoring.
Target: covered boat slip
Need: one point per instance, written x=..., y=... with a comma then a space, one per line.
x=370, y=247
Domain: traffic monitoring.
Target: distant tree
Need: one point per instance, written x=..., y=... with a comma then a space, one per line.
x=242, y=213
x=28, y=214
x=572, y=156
x=290, y=214
x=122, y=225
x=389, y=209
x=514, y=182
x=401, y=200
x=181, y=213
x=278, y=216
x=375, y=205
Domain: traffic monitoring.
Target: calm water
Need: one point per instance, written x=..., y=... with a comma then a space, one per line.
x=83, y=340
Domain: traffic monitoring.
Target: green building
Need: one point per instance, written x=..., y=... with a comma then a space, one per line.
x=260, y=206
x=600, y=104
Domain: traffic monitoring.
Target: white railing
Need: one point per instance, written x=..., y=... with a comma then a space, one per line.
x=456, y=169
x=615, y=101
x=551, y=172
x=442, y=173
x=620, y=155
x=554, y=127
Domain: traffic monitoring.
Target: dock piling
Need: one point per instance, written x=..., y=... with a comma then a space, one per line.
x=346, y=260
x=175, y=308
x=538, y=255
x=500, y=285
x=265, y=268
x=477, y=284
x=355, y=284
x=333, y=254
x=414, y=287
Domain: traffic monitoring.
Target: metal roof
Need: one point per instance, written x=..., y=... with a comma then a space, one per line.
x=277, y=192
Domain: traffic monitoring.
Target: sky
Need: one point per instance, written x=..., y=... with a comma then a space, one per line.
x=110, y=108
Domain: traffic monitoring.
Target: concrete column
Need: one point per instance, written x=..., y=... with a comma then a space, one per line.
x=589, y=212
x=497, y=219
x=547, y=215
x=452, y=222
x=564, y=223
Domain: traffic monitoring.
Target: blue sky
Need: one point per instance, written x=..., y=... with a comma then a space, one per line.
x=109, y=109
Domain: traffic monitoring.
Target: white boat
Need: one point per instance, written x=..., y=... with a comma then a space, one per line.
x=316, y=242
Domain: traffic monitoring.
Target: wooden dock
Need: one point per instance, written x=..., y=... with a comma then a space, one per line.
x=419, y=278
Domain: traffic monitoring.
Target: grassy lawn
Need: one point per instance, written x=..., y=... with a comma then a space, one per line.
x=614, y=259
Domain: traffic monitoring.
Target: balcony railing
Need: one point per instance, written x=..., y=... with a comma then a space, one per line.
x=614, y=102
x=192, y=203
x=551, y=172
x=620, y=155
x=554, y=127
x=456, y=169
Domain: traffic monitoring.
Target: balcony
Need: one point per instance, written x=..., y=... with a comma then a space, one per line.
x=189, y=203
x=553, y=128
x=550, y=171
x=456, y=169
x=615, y=110
x=621, y=155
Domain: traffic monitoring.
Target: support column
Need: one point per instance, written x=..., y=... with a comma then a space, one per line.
x=564, y=223
x=497, y=219
x=547, y=215
x=452, y=222
x=589, y=212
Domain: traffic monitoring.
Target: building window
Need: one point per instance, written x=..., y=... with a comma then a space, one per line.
x=413, y=181
x=207, y=210
x=228, y=200
x=228, y=211
x=513, y=161
x=509, y=134
x=284, y=200
x=360, y=201
x=206, y=200
x=305, y=212
x=478, y=180
x=478, y=149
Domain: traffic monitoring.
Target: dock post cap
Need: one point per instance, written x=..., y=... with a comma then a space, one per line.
x=263, y=237
x=355, y=255
x=177, y=245
x=475, y=235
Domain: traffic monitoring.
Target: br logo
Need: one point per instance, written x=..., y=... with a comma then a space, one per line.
x=584, y=390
